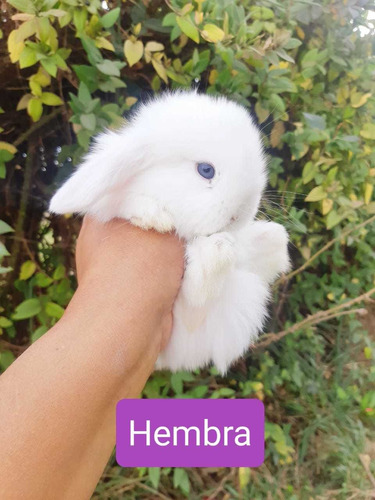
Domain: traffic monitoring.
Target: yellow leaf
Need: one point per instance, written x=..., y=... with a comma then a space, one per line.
x=27, y=270
x=213, y=76
x=15, y=48
x=137, y=29
x=154, y=47
x=243, y=476
x=41, y=77
x=133, y=51
x=327, y=205
x=35, y=108
x=369, y=188
x=276, y=134
x=103, y=43
x=50, y=99
x=368, y=131
x=212, y=33
x=300, y=33
x=307, y=84
x=261, y=113
x=27, y=29
x=8, y=147
x=23, y=102
x=357, y=100
x=130, y=101
x=159, y=68
x=198, y=17
x=316, y=194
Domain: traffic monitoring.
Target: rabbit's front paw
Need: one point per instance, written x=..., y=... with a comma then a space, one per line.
x=146, y=213
x=273, y=243
x=264, y=249
x=209, y=258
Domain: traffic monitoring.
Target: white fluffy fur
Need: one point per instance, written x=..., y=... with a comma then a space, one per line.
x=146, y=173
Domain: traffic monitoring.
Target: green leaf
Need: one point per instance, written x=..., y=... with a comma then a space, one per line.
x=27, y=309
x=154, y=476
x=6, y=359
x=292, y=43
x=333, y=218
x=35, y=108
x=49, y=66
x=5, y=228
x=27, y=270
x=42, y=280
x=3, y=251
x=59, y=272
x=84, y=95
x=5, y=322
x=177, y=383
x=88, y=121
x=108, y=68
x=188, y=28
x=93, y=53
x=38, y=333
x=181, y=480
x=28, y=57
x=79, y=19
x=169, y=19
x=110, y=18
x=51, y=99
x=26, y=6
x=4, y=270
x=309, y=172
x=54, y=310
x=316, y=194
x=315, y=121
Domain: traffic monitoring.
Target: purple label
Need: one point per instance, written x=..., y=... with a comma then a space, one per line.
x=190, y=433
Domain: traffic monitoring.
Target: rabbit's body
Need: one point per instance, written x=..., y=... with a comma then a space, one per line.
x=193, y=164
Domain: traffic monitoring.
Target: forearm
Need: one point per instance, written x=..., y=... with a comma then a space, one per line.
x=66, y=386
x=57, y=401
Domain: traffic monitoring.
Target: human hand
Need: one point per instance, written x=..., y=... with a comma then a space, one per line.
x=124, y=271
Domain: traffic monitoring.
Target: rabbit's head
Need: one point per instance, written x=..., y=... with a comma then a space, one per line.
x=199, y=157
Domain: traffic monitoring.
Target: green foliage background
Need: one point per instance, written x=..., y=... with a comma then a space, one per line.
x=305, y=70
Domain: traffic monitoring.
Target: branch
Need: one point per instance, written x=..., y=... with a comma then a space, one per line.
x=36, y=126
x=17, y=349
x=309, y=261
x=314, y=319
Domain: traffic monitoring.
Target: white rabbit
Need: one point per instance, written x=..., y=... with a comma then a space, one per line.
x=193, y=164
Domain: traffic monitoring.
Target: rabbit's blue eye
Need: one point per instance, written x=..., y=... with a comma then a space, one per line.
x=206, y=170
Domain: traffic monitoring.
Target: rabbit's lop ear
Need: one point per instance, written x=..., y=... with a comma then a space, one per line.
x=115, y=157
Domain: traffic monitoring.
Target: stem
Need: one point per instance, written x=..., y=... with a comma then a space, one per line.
x=36, y=126
x=333, y=312
x=18, y=230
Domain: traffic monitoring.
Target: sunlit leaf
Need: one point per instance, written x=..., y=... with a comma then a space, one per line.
x=316, y=194
x=133, y=51
x=27, y=270
x=35, y=108
x=212, y=33
x=186, y=26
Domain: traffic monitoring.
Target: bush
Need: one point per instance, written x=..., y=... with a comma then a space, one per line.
x=304, y=69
